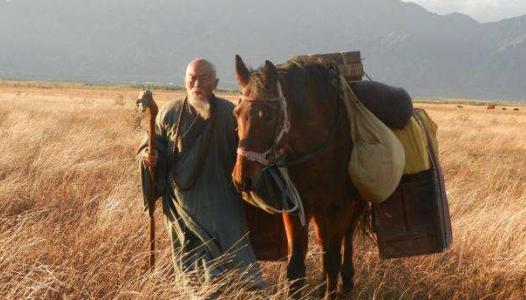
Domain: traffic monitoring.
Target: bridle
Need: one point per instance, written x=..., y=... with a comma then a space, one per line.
x=269, y=156
x=275, y=165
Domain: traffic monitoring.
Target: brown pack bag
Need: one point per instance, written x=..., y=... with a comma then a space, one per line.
x=415, y=220
x=267, y=234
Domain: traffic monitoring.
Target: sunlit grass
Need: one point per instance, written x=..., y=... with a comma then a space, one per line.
x=72, y=225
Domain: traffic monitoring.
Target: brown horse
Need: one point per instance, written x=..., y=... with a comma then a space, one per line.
x=293, y=113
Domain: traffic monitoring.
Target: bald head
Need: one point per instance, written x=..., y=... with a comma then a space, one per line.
x=201, y=65
x=200, y=80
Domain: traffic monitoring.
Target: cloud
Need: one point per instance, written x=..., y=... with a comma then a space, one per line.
x=482, y=10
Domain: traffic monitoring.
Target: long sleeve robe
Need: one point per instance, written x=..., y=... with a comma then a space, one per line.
x=208, y=220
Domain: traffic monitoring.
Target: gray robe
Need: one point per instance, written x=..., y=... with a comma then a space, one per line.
x=208, y=221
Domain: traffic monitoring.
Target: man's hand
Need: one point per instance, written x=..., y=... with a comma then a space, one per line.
x=149, y=159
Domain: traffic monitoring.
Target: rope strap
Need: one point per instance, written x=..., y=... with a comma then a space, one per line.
x=290, y=200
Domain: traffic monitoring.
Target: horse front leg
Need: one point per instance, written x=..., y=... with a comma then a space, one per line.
x=331, y=264
x=330, y=235
x=298, y=240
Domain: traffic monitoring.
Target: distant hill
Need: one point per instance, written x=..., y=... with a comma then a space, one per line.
x=152, y=40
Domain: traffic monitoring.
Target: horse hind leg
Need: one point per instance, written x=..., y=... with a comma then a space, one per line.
x=332, y=265
x=298, y=239
x=347, y=270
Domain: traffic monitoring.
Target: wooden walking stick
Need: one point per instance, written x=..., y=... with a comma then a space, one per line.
x=147, y=105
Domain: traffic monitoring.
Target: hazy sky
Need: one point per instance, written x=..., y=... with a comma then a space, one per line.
x=481, y=10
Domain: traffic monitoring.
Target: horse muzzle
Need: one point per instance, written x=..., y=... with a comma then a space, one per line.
x=245, y=174
x=243, y=185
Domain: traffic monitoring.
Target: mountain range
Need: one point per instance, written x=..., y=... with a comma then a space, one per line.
x=138, y=41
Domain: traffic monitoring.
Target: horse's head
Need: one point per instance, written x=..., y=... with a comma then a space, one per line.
x=262, y=122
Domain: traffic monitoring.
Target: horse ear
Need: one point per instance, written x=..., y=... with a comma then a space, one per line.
x=242, y=71
x=270, y=72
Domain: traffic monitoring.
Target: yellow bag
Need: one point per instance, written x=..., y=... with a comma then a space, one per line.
x=430, y=125
x=414, y=140
x=377, y=158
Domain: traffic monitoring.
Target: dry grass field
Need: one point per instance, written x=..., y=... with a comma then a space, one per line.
x=72, y=226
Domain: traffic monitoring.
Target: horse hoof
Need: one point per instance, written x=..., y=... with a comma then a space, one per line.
x=345, y=291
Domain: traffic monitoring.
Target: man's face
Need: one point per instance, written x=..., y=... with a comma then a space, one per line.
x=200, y=81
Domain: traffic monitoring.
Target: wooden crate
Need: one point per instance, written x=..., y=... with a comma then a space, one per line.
x=415, y=220
x=349, y=63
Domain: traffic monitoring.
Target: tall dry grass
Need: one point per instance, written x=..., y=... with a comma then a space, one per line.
x=72, y=226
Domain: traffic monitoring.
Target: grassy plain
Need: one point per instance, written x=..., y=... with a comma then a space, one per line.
x=72, y=225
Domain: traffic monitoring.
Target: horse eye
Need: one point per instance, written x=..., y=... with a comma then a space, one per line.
x=265, y=116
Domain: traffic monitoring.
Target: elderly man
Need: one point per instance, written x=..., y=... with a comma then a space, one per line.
x=196, y=144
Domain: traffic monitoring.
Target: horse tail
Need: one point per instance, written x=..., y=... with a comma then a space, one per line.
x=364, y=223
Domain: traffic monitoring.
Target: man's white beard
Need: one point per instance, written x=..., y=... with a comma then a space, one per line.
x=201, y=105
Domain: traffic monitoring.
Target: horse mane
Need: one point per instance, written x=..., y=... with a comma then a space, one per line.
x=324, y=80
x=302, y=75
